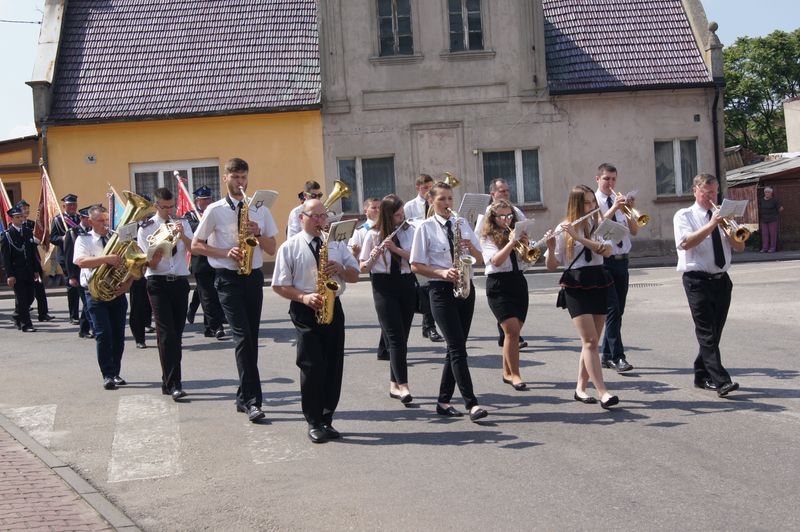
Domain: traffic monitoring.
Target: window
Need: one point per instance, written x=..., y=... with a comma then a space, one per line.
x=466, y=31
x=150, y=176
x=367, y=178
x=394, y=27
x=676, y=166
x=520, y=168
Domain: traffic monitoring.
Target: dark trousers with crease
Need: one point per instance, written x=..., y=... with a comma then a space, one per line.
x=84, y=324
x=424, y=307
x=709, y=301
x=24, y=290
x=73, y=302
x=41, y=299
x=209, y=299
x=320, y=357
x=141, y=311
x=612, y=347
x=241, y=297
x=169, y=300
x=108, y=320
x=454, y=318
x=395, y=299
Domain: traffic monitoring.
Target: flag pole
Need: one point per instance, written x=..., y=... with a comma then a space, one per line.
x=186, y=192
x=6, y=202
x=53, y=192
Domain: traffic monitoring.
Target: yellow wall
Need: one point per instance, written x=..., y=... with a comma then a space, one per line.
x=29, y=180
x=283, y=150
x=22, y=156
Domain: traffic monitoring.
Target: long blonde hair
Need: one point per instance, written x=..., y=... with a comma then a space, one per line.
x=576, y=208
x=490, y=228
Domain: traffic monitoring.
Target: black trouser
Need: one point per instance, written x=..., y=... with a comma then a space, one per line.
x=395, y=300
x=23, y=294
x=212, y=311
x=108, y=320
x=84, y=323
x=612, y=347
x=709, y=300
x=73, y=301
x=454, y=318
x=241, y=297
x=424, y=307
x=141, y=311
x=169, y=299
x=41, y=299
x=320, y=357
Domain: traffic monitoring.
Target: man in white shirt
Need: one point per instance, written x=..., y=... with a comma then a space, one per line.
x=168, y=286
x=241, y=296
x=320, y=347
x=704, y=256
x=611, y=205
x=372, y=207
x=107, y=317
x=311, y=190
x=418, y=207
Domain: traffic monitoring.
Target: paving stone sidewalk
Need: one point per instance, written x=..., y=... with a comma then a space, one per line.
x=39, y=492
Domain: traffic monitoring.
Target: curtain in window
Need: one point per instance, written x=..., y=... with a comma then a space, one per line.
x=665, y=168
x=347, y=173
x=207, y=176
x=500, y=165
x=688, y=164
x=145, y=183
x=378, y=177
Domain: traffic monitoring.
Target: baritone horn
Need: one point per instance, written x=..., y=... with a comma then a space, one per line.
x=633, y=214
x=340, y=190
x=737, y=232
x=449, y=179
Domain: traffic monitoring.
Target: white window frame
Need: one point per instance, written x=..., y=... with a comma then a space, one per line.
x=465, y=27
x=518, y=171
x=359, y=192
x=676, y=164
x=395, y=31
x=172, y=166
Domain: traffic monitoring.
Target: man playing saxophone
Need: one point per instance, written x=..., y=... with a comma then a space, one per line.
x=168, y=286
x=107, y=317
x=320, y=346
x=219, y=237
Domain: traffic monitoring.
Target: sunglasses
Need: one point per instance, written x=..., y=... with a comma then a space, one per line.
x=509, y=216
x=313, y=195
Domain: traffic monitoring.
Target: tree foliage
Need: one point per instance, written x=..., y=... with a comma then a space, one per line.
x=760, y=74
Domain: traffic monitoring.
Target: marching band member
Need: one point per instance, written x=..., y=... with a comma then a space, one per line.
x=311, y=190
x=704, y=256
x=168, y=288
x=204, y=275
x=585, y=285
x=506, y=287
x=21, y=262
x=58, y=232
x=393, y=287
x=73, y=271
x=107, y=317
x=417, y=209
x=241, y=296
x=433, y=255
x=320, y=347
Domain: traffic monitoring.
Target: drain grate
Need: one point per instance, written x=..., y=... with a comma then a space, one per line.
x=644, y=285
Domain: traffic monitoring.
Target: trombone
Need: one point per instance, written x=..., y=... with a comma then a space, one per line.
x=738, y=233
x=633, y=214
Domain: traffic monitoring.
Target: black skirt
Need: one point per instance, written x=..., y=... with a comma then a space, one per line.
x=507, y=293
x=586, y=290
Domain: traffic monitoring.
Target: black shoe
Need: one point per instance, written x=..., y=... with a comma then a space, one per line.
x=330, y=432
x=317, y=435
x=254, y=413
x=394, y=395
x=475, y=415
x=522, y=342
x=520, y=386
x=208, y=333
x=432, y=334
x=86, y=335
x=177, y=393
x=190, y=317
x=28, y=328
x=141, y=345
x=622, y=365
x=449, y=411
x=608, y=363
x=74, y=322
x=149, y=329
x=220, y=334
x=119, y=381
x=588, y=400
x=706, y=384
x=406, y=399
x=47, y=317
x=613, y=400
x=108, y=383
x=383, y=356
x=726, y=388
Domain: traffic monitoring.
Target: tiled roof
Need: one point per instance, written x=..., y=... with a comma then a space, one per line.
x=145, y=59
x=603, y=45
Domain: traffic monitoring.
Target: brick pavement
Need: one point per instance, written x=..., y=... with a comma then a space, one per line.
x=34, y=497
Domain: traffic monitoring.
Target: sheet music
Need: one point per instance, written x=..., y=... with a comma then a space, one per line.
x=731, y=208
x=479, y=224
x=263, y=198
x=128, y=232
x=342, y=231
x=632, y=194
x=611, y=230
x=473, y=205
x=526, y=226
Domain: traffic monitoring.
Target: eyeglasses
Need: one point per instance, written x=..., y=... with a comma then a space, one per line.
x=319, y=216
x=165, y=206
x=313, y=195
x=509, y=216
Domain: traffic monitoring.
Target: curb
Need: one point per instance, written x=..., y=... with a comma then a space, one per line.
x=107, y=510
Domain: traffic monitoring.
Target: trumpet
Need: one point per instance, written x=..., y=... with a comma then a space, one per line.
x=537, y=247
x=451, y=180
x=633, y=214
x=526, y=251
x=738, y=233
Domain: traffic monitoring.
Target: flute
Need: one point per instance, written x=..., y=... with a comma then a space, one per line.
x=540, y=244
x=380, y=248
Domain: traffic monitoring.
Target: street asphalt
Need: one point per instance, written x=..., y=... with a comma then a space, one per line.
x=669, y=457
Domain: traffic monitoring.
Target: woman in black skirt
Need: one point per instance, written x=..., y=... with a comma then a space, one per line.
x=506, y=287
x=586, y=284
x=393, y=287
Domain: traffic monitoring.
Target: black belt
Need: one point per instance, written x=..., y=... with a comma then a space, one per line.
x=168, y=278
x=621, y=256
x=440, y=284
x=705, y=276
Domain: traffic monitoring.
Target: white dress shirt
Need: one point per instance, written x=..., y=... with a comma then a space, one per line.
x=490, y=249
x=431, y=245
x=220, y=228
x=577, y=251
x=416, y=208
x=358, y=235
x=701, y=257
x=170, y=263
x=293, y=226
x=88, y=245
x=384, y=264
x=619, y=216
x=296, y=266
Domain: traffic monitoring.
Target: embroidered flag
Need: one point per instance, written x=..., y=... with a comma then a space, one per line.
x=46, y=211
x=5, y=204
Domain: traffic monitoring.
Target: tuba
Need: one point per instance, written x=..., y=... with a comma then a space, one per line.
x=340, y=190
x=449, y=179
x=326, y=286
x=247, y=242
x=632, y=214
x=462, y=262
x=106, y=279
x=738, y=233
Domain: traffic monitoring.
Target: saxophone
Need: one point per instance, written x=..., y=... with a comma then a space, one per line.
x=247, y=242
x=106, y=279
x=462, y=262
x=326, y=287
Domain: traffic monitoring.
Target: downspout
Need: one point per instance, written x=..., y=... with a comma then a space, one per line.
x=715, y=61
x=715, y=125
x=44, y=146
